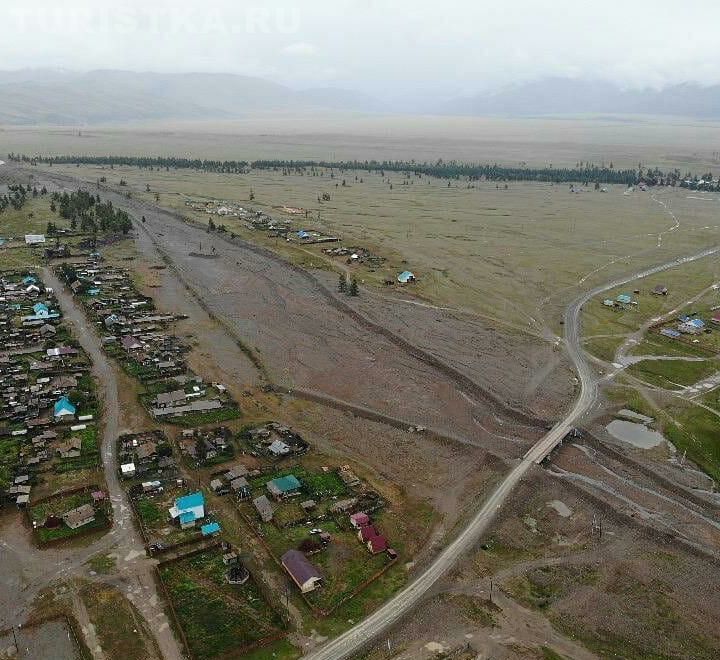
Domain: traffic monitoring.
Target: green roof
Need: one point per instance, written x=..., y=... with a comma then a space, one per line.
x=286, y=484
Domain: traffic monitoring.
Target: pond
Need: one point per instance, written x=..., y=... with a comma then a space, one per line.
x=638, y=435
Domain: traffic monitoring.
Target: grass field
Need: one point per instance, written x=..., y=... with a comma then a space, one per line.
x=663, y=141
x=515, y=255
x=673, y=373
x=120, y=629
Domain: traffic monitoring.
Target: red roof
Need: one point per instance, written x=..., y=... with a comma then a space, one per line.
x=716, y=318
x=360, y=519
x=367, y=532
x=377, y=544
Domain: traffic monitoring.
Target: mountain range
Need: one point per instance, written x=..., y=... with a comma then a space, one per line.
x=71, y=98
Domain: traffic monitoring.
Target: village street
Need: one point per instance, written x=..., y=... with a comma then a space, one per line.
x=33, y=570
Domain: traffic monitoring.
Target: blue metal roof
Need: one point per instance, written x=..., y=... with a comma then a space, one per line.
x=190, y=501
x=187, y=517
x=64, y=405
x=405, y=276
x=210, y=528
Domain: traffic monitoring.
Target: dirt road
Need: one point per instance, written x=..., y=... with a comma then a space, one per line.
x=134, y=568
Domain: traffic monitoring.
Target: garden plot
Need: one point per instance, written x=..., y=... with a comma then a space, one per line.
x=217, y=619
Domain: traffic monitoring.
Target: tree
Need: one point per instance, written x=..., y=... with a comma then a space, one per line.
x=342, y=283
x=354, y=291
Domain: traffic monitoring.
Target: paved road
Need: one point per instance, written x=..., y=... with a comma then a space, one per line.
x=352, y=641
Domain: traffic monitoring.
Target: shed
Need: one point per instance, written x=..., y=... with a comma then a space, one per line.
x=264, y=508
x=405, y=277
x=210, y=529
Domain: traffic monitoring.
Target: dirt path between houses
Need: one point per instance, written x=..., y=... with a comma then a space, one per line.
x=139, y=585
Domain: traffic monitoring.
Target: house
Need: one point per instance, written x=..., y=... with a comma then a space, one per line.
x=127, y=470
x=359, y=519
x=406, y=277
x=624, y=299
x=70, y=448
x=79, y=516
x=716, y=318
x=64, y=409
x=366, y=533
x=343, y=506
x=188, y=509
x=660, y=290
x=165, y=399
x=669, y=332
x=377, y=544
x=278, y=448
x=47, y=330
x=284, y=487
x=130, y=344
x=609, y=302
x=308, y=505
x=264, y=508
x=41, y=311
x=692, y=326
x=304, y=574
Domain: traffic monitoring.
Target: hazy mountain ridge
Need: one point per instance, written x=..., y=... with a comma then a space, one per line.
x=120, y=96
x=70, y=98
x=555, y=96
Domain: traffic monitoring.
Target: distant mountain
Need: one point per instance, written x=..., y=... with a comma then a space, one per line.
x=46, y=96
x=58, y=97
x=562, y=96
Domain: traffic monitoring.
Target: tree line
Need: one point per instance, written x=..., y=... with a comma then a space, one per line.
x=581, y=172
x=141, y=162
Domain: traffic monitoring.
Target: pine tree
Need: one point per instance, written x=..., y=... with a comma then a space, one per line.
x=354, y=291
x=342, y=283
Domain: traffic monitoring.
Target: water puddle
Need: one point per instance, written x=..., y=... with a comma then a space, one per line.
x=637, y=435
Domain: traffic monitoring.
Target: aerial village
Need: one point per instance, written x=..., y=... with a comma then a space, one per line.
x=202, y=467
x=48, y=416
x=285, y=229
x=688, y=328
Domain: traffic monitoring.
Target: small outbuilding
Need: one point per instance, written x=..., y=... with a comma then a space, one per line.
x=406, y=277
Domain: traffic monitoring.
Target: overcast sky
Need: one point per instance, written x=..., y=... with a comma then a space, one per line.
x=377, y=46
